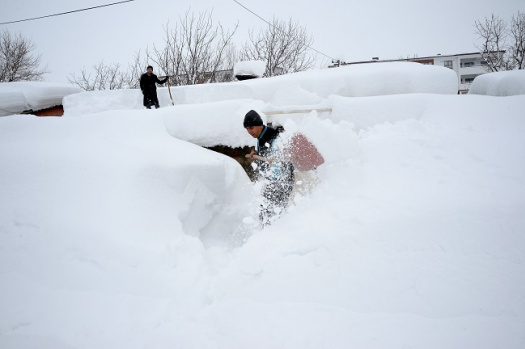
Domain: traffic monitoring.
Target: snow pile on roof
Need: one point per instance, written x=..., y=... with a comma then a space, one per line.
x=299, y=89
x=12, y=100
x=504, y=83
x=311, y=87
x=225, y=118
x=88, y=102
x=20, y=96
x=250, y=68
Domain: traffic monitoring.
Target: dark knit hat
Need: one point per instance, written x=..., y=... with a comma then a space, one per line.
x=252, y=119
x=149, y=66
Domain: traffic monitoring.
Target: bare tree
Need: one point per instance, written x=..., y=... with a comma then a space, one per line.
x=106, y=77
x=196, y=51
x=493, y=33
x=517, y=33
x=16, y=59
x=137, y=68
x=112, y=77
x=283, y=46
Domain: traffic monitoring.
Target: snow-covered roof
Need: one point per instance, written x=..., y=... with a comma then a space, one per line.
x=20, y=96
x=252, y=68
x=311, y=87
x=306, y=88
x=504, y=83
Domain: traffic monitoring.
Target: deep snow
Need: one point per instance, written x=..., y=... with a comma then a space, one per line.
x=117, y=230
x=20, y=96
x=503, y=83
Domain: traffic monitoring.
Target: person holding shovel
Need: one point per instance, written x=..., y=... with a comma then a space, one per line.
x=148, y=86
x=272, y=167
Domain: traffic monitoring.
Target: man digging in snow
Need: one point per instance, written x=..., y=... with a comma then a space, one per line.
x=276, y=172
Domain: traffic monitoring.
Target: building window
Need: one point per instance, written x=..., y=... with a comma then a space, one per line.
x=469, y=80
x=467, y=64
x=448, y=64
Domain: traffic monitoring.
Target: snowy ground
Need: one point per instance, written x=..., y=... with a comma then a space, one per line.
x=117, y=230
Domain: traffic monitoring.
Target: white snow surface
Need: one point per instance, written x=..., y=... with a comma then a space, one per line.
x=117, y=230
x=16, y=97
x=504, y=83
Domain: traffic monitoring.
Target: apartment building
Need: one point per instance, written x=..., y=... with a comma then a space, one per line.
x=466, y=65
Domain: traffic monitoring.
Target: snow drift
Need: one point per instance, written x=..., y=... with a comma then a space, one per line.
x=117, y=232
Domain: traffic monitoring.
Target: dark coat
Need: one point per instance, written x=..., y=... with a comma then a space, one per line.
x=148, y=85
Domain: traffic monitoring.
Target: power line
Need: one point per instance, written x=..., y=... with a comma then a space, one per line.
x=66, y=13
x=264, y=20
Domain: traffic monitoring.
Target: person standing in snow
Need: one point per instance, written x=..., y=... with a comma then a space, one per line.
x=276, y=172
x=148, y=86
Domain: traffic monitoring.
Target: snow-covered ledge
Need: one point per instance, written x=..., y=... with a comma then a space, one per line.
x=22, y=96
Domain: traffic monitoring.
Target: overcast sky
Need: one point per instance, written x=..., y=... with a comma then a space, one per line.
x=343, y=29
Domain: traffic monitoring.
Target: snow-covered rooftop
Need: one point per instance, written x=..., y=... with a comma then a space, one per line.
x=288, y=91
x=250, y=68
x=505, y=83
x=20, y=96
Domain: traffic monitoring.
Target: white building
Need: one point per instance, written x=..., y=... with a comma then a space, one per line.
x=466, y=65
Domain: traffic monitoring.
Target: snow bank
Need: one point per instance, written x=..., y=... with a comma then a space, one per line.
x=116, y=156
x=224, y=120
x=88, y=102
x=312, y=87
x=36, y=95
x=505, y=83
x=299, y=89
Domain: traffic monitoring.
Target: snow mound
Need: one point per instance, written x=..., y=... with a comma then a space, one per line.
x=100, y=101
x=36, y=95
x=312, y=87
x=129, y=156
x=187, y=122
x=504, y=83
